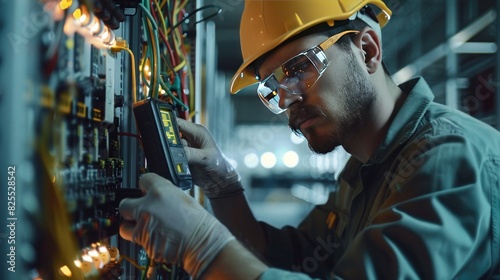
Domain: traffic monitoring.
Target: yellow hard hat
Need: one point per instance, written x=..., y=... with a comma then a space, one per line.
x=267, y=23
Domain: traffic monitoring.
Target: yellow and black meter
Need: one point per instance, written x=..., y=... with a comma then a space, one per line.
x=161, y=142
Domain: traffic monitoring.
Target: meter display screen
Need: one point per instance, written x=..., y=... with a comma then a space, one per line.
x=166, y=119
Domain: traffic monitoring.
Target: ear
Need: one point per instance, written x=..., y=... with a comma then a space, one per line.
x=368, y=43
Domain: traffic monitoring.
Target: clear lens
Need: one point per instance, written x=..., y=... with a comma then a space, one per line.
x=270, y=98
x=299, y=73
x=295, y=76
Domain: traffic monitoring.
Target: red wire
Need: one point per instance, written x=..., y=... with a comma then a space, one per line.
x=174, y=58
x=170, y=51
x=163, y=37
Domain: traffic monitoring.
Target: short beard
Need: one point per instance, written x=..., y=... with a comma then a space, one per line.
x=357, y=96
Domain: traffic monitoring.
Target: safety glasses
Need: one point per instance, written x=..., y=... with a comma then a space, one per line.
x=297, y=74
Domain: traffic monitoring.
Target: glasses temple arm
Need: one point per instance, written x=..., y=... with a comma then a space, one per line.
x=332, y=40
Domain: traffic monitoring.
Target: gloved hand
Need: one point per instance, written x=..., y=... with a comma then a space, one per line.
x=209, y=167
x=171, y=226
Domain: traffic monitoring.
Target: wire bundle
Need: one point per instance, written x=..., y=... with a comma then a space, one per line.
x=165, y=68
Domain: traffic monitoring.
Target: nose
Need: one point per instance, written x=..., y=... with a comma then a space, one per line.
x=287, y=97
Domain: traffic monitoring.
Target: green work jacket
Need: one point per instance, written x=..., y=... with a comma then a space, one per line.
x=425, y=206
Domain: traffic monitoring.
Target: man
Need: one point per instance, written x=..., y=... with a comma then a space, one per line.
x=419, y=198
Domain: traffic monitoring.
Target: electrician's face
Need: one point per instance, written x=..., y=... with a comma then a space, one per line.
x=329, y=112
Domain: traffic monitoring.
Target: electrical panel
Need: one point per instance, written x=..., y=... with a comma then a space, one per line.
x=71, y=74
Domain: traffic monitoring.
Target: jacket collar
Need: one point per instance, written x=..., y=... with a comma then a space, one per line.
x=418, y=98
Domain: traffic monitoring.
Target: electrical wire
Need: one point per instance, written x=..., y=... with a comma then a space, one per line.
x=177, y=37
x=169, y=49
x=169, y=93
x=117, y=48
x=160, y=15
x=161, y=33
x=181, y=61
x=163, y=37
x=143, y=63
x=166, y=6
x=153, y=29
x=162, y=20
x=156, y=64
x=148, y=56
x=188, y=15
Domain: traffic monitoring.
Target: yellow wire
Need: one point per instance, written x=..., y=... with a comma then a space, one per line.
x=160, y=14
x=191, y=115
x=163, y=4
x=177, y=41
x=164, y=25
x=143, y=62
x=181, y=6
x=180, y=65
x=177, y=36
x=155, y=59
x=177, y=10
x=132, y=64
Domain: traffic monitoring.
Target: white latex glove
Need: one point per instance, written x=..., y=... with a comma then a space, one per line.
x=171, y=226
x=209, y=167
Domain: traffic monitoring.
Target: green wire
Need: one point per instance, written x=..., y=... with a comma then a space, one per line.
x=147, y=56
x=159, y=60
x=156, y=42
x=156, y=59
x=167, y=90
x=148, y=14
x=153, y=89
x=167, y=61
x=176, y=84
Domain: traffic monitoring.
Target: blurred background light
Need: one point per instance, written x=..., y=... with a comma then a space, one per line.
x=251, y=160
x=291, y=159
x=268, y=160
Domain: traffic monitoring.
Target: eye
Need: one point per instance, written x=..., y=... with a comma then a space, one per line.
x=297, y=67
